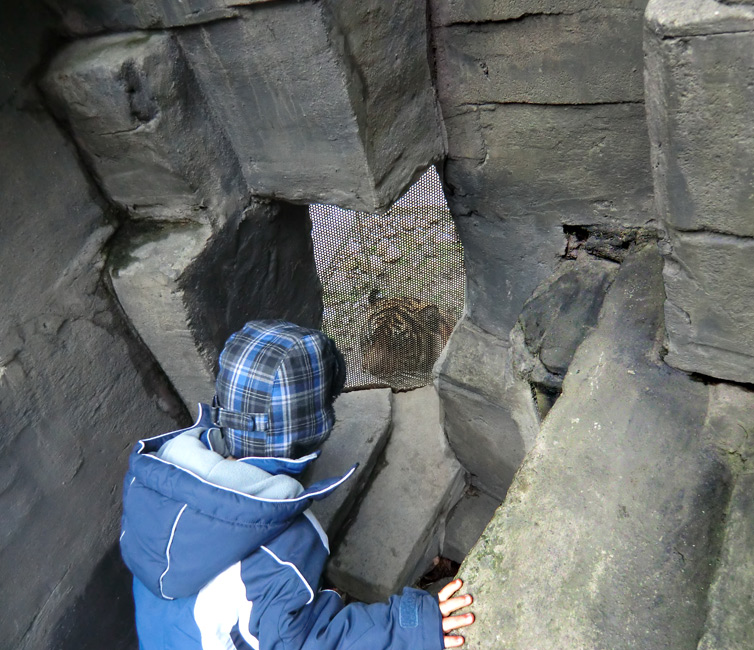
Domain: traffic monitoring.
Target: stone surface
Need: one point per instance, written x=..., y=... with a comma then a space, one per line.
x=186, y=289
x=571, y=164
x=87, y=16
x=709, y=283
x=445, y=12
x=76, y=387
x=31, y=24
x=561, y=312
x=699, y=17
x=466, y=522
x=146, y=286
x=516, y=174
x=505, y=260
x=730, y=621
x=700, y=99
x=607, y=533
x=396, y=530
x=329, y=121
x=545, y=128
x=105, y=607
x=258, y=265
x=489, y=416
x=363, y=422
x=143, y=125
x=584, y=57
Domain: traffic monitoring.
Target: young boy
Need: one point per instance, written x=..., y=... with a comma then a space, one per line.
x=217, y=531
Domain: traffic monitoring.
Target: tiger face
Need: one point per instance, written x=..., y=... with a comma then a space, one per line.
x=403, y=335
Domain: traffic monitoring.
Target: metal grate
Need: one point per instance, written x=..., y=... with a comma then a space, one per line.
x=393, y=284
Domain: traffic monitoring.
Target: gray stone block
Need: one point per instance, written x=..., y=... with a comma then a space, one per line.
x=363, y=422
x=186, y=289
x=709, y=283
x=466, y=522
x=505, y=260
x=488, y=412
x=445, y=12
x=146, y=286
x=144, y=128
x=571, y=164
x=730, y=621
x=260, y=264
x=76, y=387
x=27, y=27
x=89, y=16
x=396, y=530
x=328, y=121
x=607, y=533
x=677, y=18
x=557, y=318
x=700, y=98
x=585, y=57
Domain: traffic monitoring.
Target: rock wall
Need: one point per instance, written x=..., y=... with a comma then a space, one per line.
x=76, y=385
x=610, y=532
x=700, y=67
x=157, y=162
x=544, y=110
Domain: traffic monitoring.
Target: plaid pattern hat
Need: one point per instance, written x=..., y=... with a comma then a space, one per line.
x=275, y=389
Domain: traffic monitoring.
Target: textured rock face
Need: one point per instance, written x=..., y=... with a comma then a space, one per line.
x=729, y=623
x=488, y=412
x=554, y=322
x=613, y=518
x=338, y=129
x=141, y=121
x=186, y=289
x=396, y=530
x=700, y=67
x=543, y=109
x=76, y=387
x=88, y=16
x=310, y=99
x=556, y=319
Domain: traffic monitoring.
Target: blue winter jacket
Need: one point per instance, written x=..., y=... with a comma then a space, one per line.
x=216, y=568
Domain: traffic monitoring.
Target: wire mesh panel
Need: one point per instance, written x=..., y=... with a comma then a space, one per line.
x=393, y=284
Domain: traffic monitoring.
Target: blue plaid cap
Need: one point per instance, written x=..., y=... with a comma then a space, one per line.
x=275, y=389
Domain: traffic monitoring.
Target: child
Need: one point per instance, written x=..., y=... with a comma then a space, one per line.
x=225, y=553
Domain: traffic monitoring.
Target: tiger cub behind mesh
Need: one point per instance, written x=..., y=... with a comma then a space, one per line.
x=403, y=335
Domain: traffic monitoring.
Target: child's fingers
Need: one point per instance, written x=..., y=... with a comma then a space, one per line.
x=449, y=589
x=454, y=622
x=454, y=641
x=451, y=605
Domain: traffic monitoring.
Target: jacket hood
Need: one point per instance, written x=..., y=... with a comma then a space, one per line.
x=179, y=531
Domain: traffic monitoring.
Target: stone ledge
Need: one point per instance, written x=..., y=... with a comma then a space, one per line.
x=363, y=422
x=396, y=531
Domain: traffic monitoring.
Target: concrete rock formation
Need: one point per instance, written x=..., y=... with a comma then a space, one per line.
x=157, y=159
x=624, y=497
x=546, y=128
x=187, y=288
x=488, y=413
x=75, y=382
x=397, y=528
x=700, y=86
x=335, y=131
x=140, y=120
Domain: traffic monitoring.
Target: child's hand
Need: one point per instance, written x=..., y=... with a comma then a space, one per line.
x=449, y=605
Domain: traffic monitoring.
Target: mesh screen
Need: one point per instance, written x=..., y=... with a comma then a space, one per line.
x=393, y=284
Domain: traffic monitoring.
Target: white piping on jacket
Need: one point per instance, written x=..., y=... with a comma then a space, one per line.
x=295, y=568
x=167, y=550
x=309, y=495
